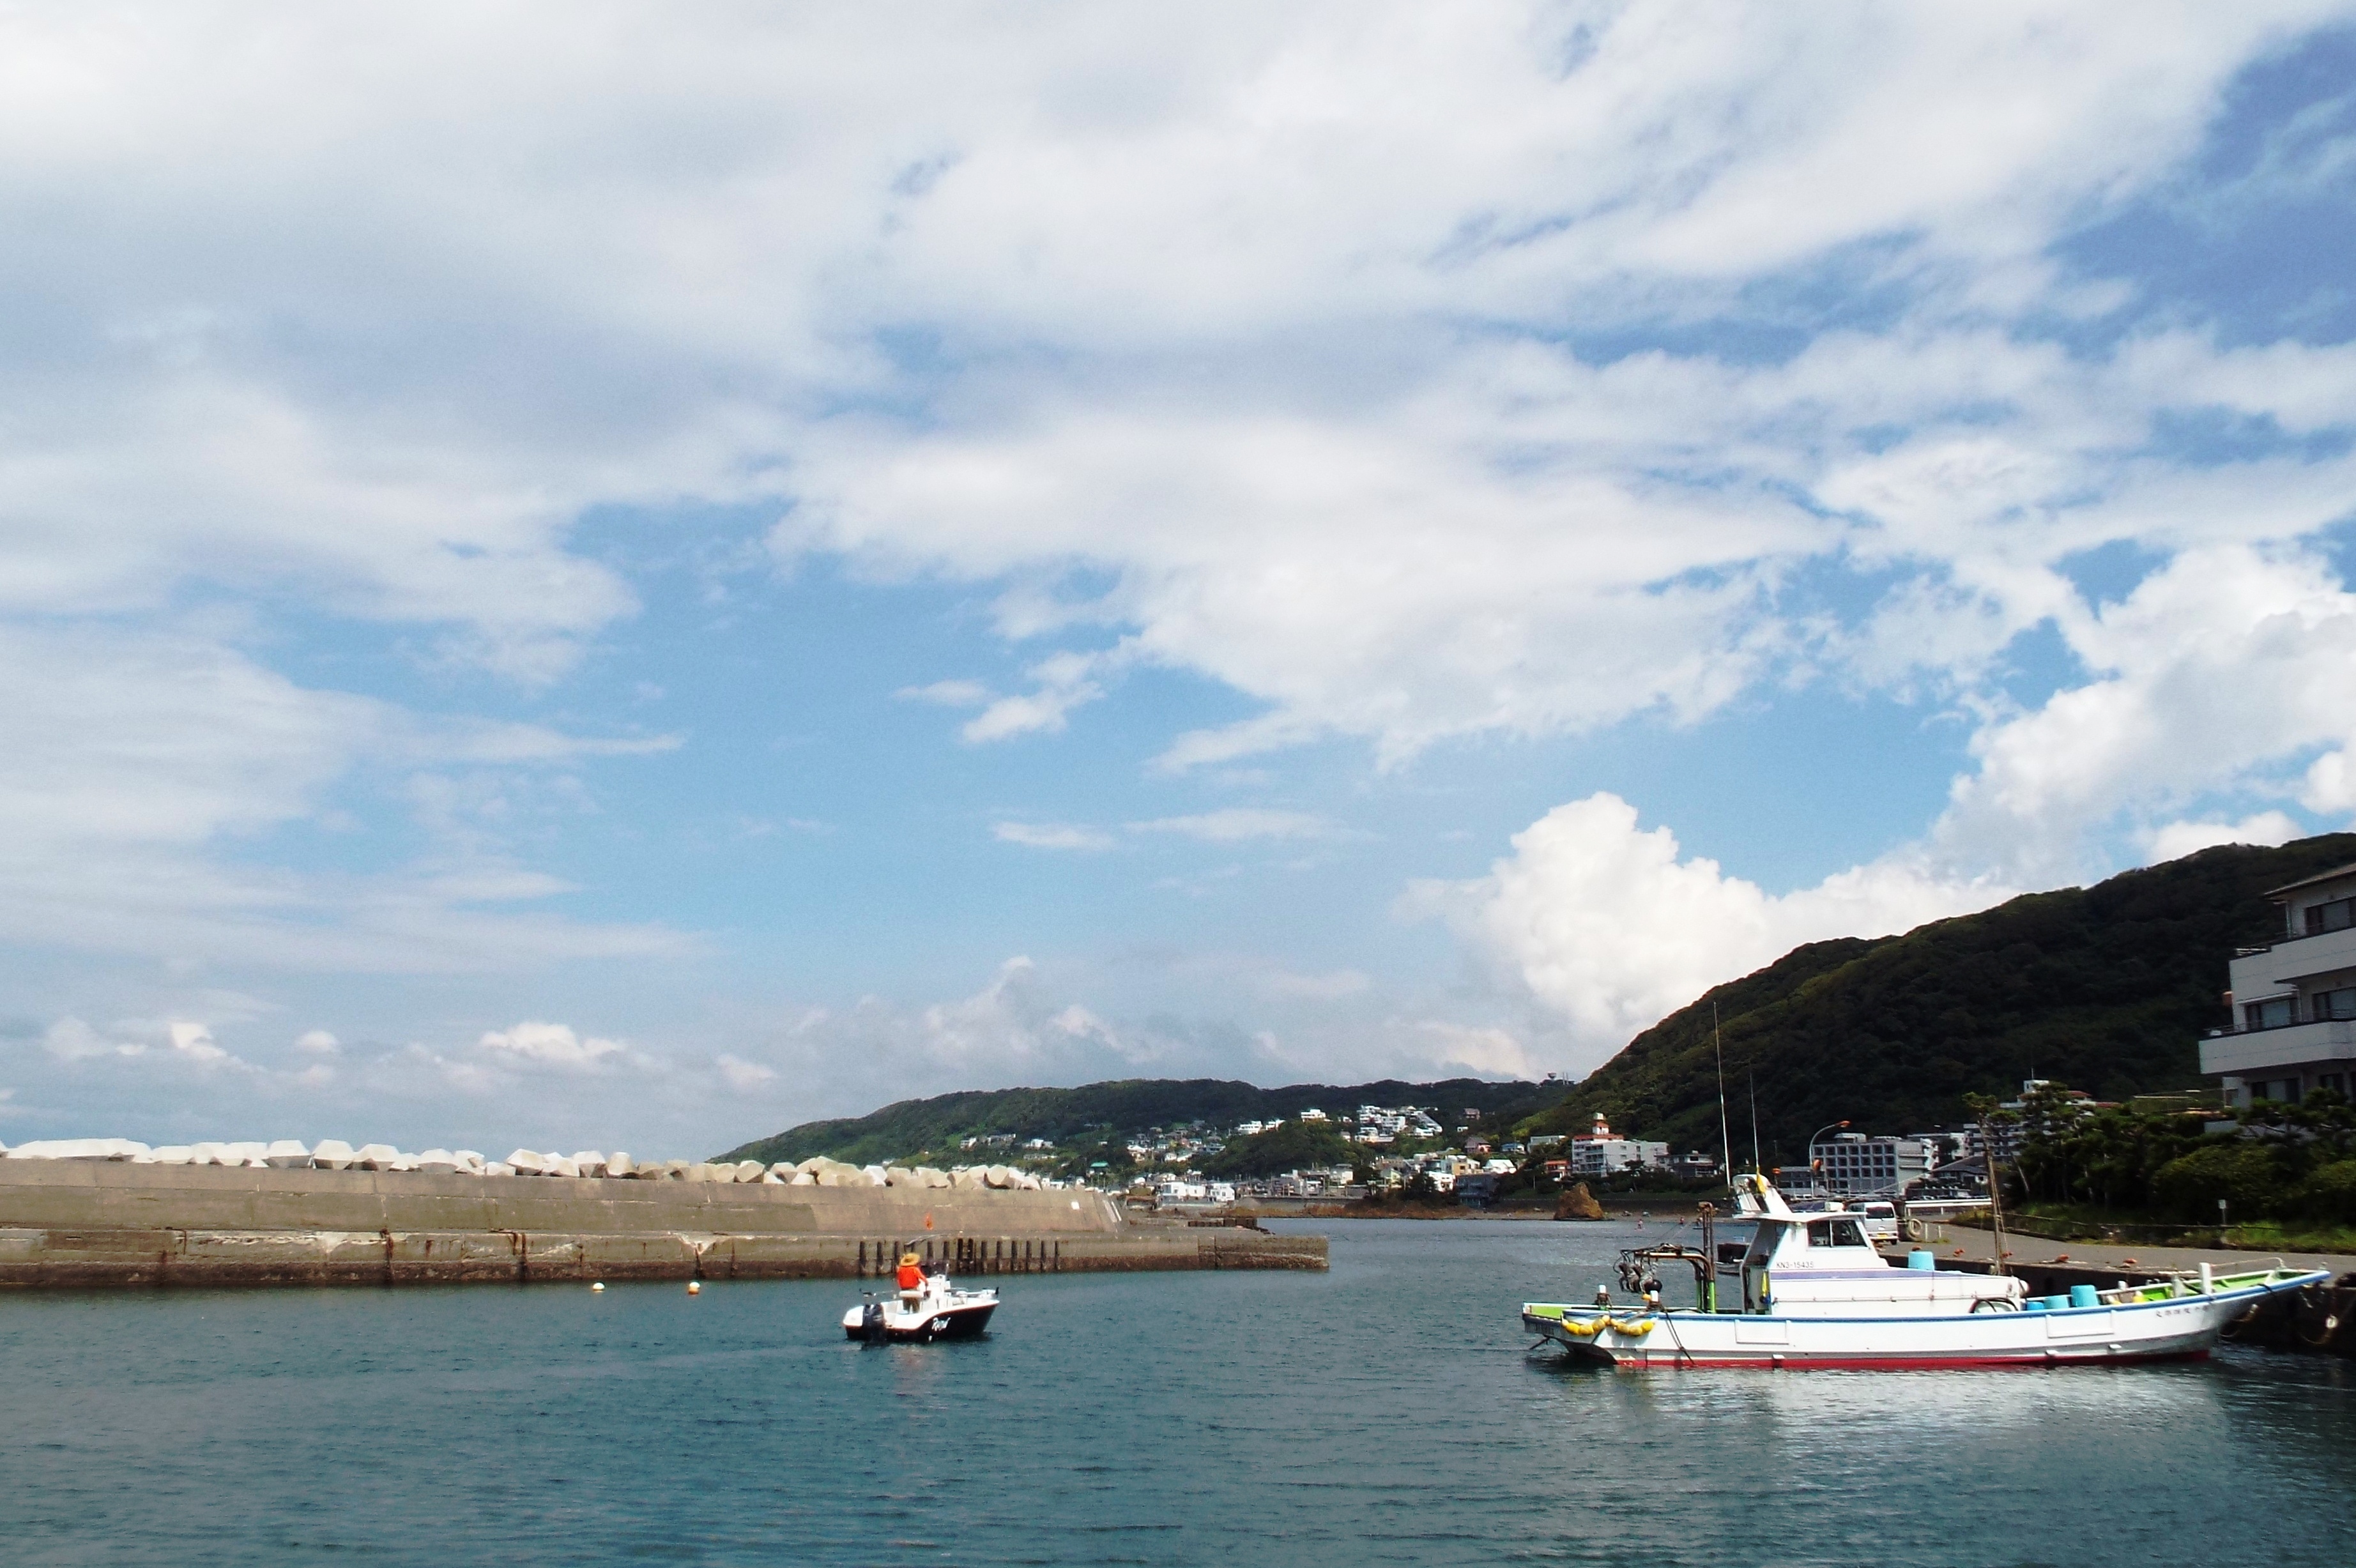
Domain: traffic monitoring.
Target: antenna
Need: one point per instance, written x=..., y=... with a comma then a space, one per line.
x=1725, y=1142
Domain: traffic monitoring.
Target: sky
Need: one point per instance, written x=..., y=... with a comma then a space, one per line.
x=594, y=576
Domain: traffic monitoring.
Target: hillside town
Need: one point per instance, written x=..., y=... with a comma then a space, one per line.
x=1428, y=1151
x=1438, y=1152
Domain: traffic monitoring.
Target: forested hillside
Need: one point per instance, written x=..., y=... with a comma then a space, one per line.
x=2108, y=988
x=1110, y=1110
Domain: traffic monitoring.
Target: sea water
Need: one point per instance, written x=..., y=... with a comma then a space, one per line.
x=1389, y=1412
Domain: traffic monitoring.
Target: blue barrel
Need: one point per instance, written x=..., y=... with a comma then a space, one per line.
x=2057, y=1303
x=1918, y=1258
x=2083, y=1296
x=2037, y=1303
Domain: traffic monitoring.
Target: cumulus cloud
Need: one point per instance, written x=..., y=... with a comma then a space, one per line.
x=317, y=1042
x=550, y=1045
x=2222, y=672
x=1608, y=929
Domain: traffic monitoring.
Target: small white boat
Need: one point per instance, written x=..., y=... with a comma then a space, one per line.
x=1815, y=1294
x=940, y=1311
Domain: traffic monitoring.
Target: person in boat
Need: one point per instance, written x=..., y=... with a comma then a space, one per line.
x=911, y=1280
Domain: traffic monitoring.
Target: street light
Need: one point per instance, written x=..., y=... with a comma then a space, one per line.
x=1814, y=1163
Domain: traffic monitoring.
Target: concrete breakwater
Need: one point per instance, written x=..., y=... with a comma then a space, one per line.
x=101, y=1223
x=333, y=1154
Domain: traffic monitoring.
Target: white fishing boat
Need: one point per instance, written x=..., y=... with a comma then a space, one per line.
x=1815, y=1294
x=939, y=1310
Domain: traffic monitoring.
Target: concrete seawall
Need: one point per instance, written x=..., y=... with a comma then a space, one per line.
x=80, y=1223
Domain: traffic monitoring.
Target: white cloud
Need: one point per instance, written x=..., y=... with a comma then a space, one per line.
x=150, y=1041
x=550, y=1045
x=1065, y=681
x=2222, y=671
x=1484, y=1051
x=1051, y=836
x=318, y=1041
x=2176, y=839
x=1236, y=824
x=947, y=693
x=742, y=1076
x=141, y=759
x=71, y=1040
x=1202, y=295
x=194, y=1041
x=1607, y=930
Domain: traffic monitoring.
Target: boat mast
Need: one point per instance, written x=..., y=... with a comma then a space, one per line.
x=1724, y=1139
x=1751, y=1076
x=1981, y=1103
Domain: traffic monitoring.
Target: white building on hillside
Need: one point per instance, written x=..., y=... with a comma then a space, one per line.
x=1599, y=1153
x=2294, y=1003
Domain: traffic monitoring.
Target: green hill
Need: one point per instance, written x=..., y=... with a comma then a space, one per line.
x=1095, y=1112
x=2107, y=989
x=1295, y=1146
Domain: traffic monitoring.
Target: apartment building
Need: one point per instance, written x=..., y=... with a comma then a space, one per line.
x=1851, y=1165
x=2293, y=1002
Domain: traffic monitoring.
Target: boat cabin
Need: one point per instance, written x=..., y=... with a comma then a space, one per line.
x=1828, y=1262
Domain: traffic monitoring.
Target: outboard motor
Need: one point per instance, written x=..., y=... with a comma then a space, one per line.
x=870, y=1322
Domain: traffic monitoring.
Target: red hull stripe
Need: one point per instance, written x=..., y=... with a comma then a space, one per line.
x=1671, y=1361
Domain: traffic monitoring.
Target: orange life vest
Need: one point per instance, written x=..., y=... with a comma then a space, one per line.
x=911, y=1277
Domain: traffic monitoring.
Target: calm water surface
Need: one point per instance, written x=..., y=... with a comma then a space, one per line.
x=1386, y=1412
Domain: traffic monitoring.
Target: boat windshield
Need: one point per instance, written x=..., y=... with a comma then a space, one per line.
x=1836, y=1233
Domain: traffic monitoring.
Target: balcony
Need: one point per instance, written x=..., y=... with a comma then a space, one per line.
x=2290, y=1045
x=2292, y=959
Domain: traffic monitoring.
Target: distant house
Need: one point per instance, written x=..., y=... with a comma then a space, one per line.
x=2293, y=1004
